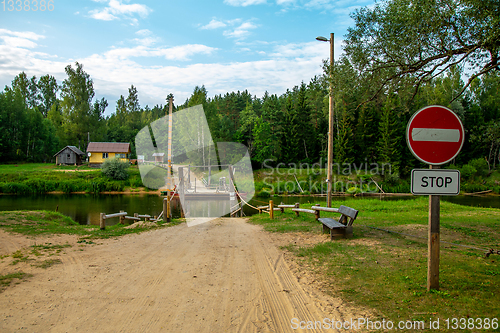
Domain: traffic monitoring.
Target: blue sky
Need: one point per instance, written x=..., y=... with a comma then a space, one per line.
x=164, y=47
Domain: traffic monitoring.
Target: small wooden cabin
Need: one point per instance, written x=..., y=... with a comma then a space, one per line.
x=158, y=157
x=101, y=151
x=69, y=155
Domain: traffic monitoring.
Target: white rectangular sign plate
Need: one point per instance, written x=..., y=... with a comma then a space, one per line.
x=435, y=182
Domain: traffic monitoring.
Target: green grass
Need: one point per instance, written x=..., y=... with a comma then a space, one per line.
x=35, y=223
x=39, y=178
x=387, y=272
x=6, y=280
x=47, y=263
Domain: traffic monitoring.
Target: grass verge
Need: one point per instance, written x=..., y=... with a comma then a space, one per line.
x=35, y=223
x=7, y=279
x=387, y=272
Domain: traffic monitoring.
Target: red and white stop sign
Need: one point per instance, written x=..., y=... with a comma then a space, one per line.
x=435, y=135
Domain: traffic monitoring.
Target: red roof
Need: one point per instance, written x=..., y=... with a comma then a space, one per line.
x=108, y=147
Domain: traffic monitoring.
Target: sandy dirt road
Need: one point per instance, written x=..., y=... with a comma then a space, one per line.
x=222, y=276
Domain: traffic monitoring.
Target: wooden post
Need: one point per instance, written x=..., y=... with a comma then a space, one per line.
x=165, y=208
x=433, y=241
x=180, y=170
x=271, y=209
x=297, y=205
x=316, y=214
x=136, y=215
x=281, y=208
x=102, y=221
x=231, y=178
x=209, y=174
x=122, y=218
x=168, y=216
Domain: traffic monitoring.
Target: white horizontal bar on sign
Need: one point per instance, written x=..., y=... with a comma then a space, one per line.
x=435, y=134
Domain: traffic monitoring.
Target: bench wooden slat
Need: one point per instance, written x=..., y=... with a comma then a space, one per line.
x=348, y=211
x=331, y=223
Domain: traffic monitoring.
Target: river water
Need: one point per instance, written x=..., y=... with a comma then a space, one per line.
x=85, y=208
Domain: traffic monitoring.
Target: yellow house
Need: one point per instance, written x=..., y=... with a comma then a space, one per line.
x=98, y=152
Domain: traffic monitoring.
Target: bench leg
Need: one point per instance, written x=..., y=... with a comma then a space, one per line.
x=348, y=232
x=325, y=229
x=337, y=233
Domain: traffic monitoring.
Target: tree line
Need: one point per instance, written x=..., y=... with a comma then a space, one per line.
x=39, y=116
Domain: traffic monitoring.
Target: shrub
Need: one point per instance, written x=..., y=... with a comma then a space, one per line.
x=155, y=178
x=115, y=169
x=16, y=188
x=481, y=166
x=467, y=171
x=70, y=185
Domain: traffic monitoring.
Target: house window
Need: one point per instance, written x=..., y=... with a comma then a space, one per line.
x=104, y=155
x=68, y=156
x=121, y=155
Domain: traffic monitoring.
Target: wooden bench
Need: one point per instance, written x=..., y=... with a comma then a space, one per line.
x=341, y=228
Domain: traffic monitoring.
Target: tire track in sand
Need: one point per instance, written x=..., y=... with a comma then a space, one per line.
x=221, y=276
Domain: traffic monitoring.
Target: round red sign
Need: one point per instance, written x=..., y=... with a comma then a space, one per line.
x=435, y=135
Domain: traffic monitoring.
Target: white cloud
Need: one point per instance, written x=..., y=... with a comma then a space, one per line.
x=143, y=32
x=214, y=24
x=235, y=28
x=241, y=31
x=116, y=10
x=178, y=53
x=116, y=69
x=244, y=3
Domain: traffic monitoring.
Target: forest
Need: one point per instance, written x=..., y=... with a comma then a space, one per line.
x=373, y=101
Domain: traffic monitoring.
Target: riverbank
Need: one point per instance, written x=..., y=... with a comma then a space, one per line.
x=43, y=178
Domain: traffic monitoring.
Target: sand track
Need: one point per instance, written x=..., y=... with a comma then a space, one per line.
x=222, y=276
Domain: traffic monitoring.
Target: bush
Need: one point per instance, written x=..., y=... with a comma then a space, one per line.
x=481, y=166
x=115, y=169
x=16, y=188
x=467, y=171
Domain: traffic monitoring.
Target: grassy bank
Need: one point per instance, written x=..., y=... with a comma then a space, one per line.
x=388, y=271
x=35, y=223
x=41, y=178
x=305, y=180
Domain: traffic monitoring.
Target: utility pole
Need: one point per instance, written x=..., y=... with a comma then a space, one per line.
x=170, y=185
x=330, y=123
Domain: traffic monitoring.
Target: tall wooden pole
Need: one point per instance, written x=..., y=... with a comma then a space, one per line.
x=433, y=241
x=330, y=129
x=170, y=185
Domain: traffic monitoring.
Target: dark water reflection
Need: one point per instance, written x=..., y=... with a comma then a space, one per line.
x=85, y=209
